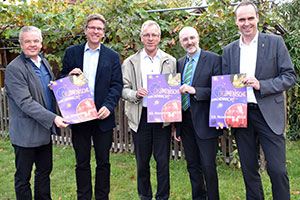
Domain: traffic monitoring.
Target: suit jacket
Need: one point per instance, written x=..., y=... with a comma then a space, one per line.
x=209, y=64
x=30, y=123
x=108, y=81
x=275, y=73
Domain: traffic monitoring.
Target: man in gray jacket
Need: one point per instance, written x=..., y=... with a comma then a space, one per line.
x=148, y=137
x=32, y=115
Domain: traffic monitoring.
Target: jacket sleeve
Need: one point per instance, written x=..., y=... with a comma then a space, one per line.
x=21, y=92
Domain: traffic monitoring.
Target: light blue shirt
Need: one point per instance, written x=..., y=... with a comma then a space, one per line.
x=90, y=64
x=194, y=64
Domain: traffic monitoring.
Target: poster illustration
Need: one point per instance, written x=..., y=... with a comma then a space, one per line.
x=74, y=99
x=228, y=106
x=164, y=99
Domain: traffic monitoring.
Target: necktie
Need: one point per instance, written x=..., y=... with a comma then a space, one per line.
x=187, y=80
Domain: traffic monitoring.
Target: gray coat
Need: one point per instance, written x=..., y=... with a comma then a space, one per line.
x=30, y=123
x=275, y=73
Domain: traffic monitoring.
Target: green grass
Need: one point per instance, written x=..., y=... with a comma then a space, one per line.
x=123, y=176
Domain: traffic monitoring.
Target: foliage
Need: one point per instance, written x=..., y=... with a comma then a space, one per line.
x=291, y=22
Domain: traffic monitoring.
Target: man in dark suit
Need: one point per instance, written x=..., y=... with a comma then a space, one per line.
x=101, y=65
x=200, y=142
x=266, y=61
x=32, y=116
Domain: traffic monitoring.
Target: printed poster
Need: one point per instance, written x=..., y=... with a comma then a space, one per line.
x=74, y=99
x=228, y=106
x=164, y=99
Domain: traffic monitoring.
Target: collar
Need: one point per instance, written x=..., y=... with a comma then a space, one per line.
x=254, y=41
x=195, y=57
x=145, y=55
x=87, y=48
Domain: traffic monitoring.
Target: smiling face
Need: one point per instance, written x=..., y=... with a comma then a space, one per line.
x=150, y=37
x=246, y=19
x=94, y=32
x=189, y=40
x=31, y=44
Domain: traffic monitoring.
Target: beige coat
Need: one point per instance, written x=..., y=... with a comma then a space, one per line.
x=132, y=81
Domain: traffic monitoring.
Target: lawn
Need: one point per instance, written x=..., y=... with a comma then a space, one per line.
x=123, y=176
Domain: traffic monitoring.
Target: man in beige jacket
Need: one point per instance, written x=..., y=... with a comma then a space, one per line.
x=148, y=137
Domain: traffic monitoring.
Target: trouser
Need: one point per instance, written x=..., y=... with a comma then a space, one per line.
x=24, y=159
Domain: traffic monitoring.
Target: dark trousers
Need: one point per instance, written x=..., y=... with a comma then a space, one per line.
x=152, y=138
x=82, y=134
x=274, y=149
x=24, y=160
x=200, y=156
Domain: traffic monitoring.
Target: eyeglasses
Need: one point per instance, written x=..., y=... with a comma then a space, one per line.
x=30, y=41
x=96, y=28
x=152, y=35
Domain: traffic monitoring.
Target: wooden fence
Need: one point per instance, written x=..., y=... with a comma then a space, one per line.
x=122, y=138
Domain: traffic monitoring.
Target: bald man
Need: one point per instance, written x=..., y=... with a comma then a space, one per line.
x=200, y=142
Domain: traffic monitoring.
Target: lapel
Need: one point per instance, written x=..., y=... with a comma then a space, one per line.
x=81, y=56
x=260, y=53
x=200, y=65
x=236, y=58
x=101, y=62
x=181, y=64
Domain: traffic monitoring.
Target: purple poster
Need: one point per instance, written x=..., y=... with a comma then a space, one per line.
x=74, y=99
x=164, y=99
x=228, y=106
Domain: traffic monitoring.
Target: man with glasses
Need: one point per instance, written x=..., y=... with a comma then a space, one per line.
x=148, y=137
x=102, y=68
x=32, y=116
x=200, y=141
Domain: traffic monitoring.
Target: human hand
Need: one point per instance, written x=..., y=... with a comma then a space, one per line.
x=61, y=122
x=103, y=112
x=185, y=89
x=178, y=139
x=141, y=93
x=75, y=71
x=251, y=82
x=50, y=85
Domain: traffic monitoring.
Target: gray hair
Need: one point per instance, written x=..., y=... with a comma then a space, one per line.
x=246, y=3
x=149, y=23
x=30, y=29
x=95, y=17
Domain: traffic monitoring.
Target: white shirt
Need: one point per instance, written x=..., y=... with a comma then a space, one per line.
x=149, y=66
x=248, y=56
x=90, y=64
x=38, y=62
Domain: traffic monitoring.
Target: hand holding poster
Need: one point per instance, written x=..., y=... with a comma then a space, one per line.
x=228, y=106
x=164, y=99
x=74, y=99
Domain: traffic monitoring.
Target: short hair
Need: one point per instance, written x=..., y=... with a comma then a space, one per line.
x=150, y=23
x=189, y=29
x=30, y=29
x=95, y=17
x=246, y=3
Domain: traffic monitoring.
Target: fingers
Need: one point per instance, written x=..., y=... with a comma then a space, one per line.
x=103, y=113
x=141, y=93
x=185, y=89
x=251, y=82
x=75, y=71
x=61, y=122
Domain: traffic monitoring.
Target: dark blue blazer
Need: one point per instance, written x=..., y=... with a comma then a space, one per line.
x=108, y=81
x=209, y=64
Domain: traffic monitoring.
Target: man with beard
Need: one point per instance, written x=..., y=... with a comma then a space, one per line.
x=270, y=72
x=148, y=137
x=102, y=68
x=200, y=141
